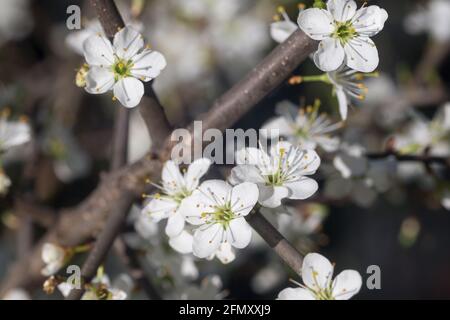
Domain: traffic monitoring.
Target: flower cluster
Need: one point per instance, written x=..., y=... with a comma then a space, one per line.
x=345, y=50
x=215, y=209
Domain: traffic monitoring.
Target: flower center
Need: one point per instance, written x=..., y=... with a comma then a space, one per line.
x=223, y=215
x=122, y=68
x=344, y=31
x=277, y=178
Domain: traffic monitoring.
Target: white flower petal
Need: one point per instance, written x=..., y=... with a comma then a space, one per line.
x=148, y=64
x=99, y=80
x=98, y=51
x=370, y=20
x=127, y=43
x=342, y=10
x=362, y=54
x=295, y=294
x=281, y=30
x=160, y=208
x=346, y=284
x=342, y=101
x=244, y=196
x=244, y=173
x=330, y=55
x=218, y=191
x=225, y=253
x=302, y=189
x=239, y=233
x=182, y=243
x=129, y=91
x=175, y=224
x=207, y=240
x=317, y=271
x=195, y=206
x=172, y=179
x=270, y=196
x=195, y=171
x=316, y=23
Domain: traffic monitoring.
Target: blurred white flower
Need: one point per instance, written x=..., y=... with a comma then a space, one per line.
x=121, y=66
x=446, y=200
x=175, y=188
x=5, y=183
x=16, y=20
x=359, y=179
x=100, y=288
x=344, y=34
x=282, y=29
x=347, y=86
x=433, y=19
x=422, y=134
x=317, y=273
x=13, y=133
x=210, y=289
x=279, y=174
x=307, y=129
x=188, y=268
x=219, y=210
x=16, y=294
x=54, y=258
x=70, y=161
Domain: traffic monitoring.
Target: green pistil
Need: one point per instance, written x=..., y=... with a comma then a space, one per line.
x=344, y=31
x=122, y=68
x=180, y=196
x=224, y=215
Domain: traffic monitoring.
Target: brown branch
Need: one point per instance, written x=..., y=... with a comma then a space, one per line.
x=276, y=241
x=426, y=159
x=120, y=138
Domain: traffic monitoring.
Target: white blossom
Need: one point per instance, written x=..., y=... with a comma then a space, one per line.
x=279, y=174
x=317, y=273
x=422, y=134
x=13, y=133
x=433, y=19
x=16, y=294
x=121, y=66
x=16, y=20
x=305, y=128
x=219, y=211
x=175, y=188
x=344, y=34
x=54, y=258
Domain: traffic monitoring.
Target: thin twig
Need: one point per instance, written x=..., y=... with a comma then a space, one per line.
x=276, y=241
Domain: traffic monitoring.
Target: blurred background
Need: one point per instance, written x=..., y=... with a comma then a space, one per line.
x=398, y=221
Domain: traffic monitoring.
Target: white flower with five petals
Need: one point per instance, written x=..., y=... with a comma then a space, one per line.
x=175, y=188
x=219, y=210
x=317, y=273
x=344, y=34
x=279, y=174
x=121, y=66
